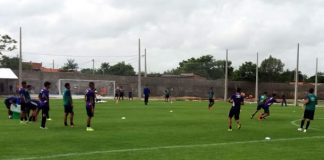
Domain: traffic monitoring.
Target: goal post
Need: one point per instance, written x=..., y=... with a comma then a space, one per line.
x=104, y=88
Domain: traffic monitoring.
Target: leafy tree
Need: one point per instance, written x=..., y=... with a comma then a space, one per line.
x=7, y=43
x=87, y=71
x=122, y=69
x=246, y=72
x=70, y=66
x=271, y=69
x=13, y=63
x=104, y=68
x=320, y=78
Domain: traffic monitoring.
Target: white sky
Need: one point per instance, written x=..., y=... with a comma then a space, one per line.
x=171, y=31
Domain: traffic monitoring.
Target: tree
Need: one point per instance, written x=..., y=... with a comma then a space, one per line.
x=7, y=43
x=104, y=68
x=320, y=78
x=70, y=66
x=13, y=63
x=205, y=66
x=122, y=69
x=271, y=69
x=246, y=72
x=87, y=71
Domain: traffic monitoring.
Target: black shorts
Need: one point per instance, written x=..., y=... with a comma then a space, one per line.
x=309, y=114
x=234, y=113
x=266, y=109
x=89, y=112
x=23, y=107
x=45, y=110
x=211, y=100
x=260, y=106
x=68, y=109
x=167, y=96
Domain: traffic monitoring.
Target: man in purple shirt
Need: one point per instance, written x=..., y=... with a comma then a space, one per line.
x=23, y=102
x=237, y=100
x=266, y=106
x=90, y=97
x=44, y=103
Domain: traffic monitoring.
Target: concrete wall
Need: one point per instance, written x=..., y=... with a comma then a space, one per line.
x=182, y=86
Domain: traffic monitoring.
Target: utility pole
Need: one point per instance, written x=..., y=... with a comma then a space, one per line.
x=93, y=68
x=226, y=76
x=139, y=87
x=257, y=78
x=53, y=65
x=20, y=56
x=296, y=77
x=145, y=73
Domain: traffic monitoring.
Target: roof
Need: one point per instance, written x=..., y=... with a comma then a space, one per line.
x=43, y=69
x=7, y=73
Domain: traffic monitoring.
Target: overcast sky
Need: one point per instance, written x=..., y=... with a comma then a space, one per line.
x=171, y=31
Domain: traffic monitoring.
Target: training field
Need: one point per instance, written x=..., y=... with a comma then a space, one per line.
x=190, y=132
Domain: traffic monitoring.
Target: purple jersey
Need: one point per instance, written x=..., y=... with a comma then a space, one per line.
x=90, y=97
x=22, y=93
x=270, y=101
x=44, y=96
x=237, y=100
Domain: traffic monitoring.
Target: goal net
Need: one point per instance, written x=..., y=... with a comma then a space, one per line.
x=104, y=88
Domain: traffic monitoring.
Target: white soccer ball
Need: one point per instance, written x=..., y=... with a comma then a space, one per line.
x=267, y=138
x=123, y=117
x=171, y=111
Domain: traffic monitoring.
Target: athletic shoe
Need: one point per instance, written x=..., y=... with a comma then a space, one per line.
x=10, y=117
x=43, y=127
x=300, y=129
x=252, y=116
x=65, y=124
x=239, y=126
x=23, y=122
x=305, y=130
x=230, y=130
x=89, y=129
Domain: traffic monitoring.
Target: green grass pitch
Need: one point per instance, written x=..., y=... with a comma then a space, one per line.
x=190, y=132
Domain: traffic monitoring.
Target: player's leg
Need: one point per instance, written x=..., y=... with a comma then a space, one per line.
x=237, y=119
x=257, y=110
x=90, y=115
x=71, y=119
x=65, y=118
x=44, y=116
x=230, y=116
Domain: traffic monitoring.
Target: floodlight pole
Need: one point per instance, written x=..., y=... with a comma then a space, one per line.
x=139, y=87
x=316, y=77
x=145, y=73
x=93, y=68
x=20, y=57
x=53, y=65
x=226, y=76
x=296, y=77
x=257, y=78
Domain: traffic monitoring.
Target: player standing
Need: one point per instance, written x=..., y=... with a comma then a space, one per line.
x=211, y=98
x=262, y=99
x=310, y=103
x=166, y=95
x=68, y=104
x=23, y=102
x=237, y=100
x=90, y=97
x=44, y=102
x=147, y=93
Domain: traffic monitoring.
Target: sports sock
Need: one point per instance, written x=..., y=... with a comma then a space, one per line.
x=307, y=124
x=43, y=121
x=302, y=123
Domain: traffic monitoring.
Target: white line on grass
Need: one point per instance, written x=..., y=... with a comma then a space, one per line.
x=162, y=147
x=297, y=125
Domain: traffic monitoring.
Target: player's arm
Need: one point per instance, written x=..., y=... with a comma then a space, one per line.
x=306, y=101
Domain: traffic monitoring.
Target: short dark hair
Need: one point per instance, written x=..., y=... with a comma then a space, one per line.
x=238, y=90
x=91, y=83
x=23, y=82
x=265, y=92
x=311, y=90
x=273, y=94
x=47, y=83
x=66, y=84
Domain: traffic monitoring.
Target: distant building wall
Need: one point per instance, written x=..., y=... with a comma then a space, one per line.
x=181, y=86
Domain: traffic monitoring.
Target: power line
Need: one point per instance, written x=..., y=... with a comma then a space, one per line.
x=66, y=55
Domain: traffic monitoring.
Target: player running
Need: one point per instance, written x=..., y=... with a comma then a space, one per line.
x=262, y=99
x=310, y=103
x=211, y=98
x=68, y=104
x=44, y=102
x=90, y=98
x=8, y=102
x=237, y=100
x=266, y=106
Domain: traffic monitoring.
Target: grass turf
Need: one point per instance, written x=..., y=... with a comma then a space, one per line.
x=190, y=123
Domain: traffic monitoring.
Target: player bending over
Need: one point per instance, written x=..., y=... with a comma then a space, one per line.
x=44, y=102
x=211, y=98
x=262, y=99
x=34, y=105
x=68, y=105
x=90, y=97
x=237, y=100
x=310, y=103
x=8, y=102
x=266, y=106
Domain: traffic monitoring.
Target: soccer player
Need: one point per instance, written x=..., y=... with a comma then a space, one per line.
x=284, y=100
x=266, y=106
x=130, y=95
x=34, y=106
x=237, y=100
x=310, y=103
x=68, y=104
x=166, y=95
x=211, y=98
x=23, y=102
x=262, y=99
x=90, y=97
x=44, y=101
x=147, y=93
x=8, y=102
